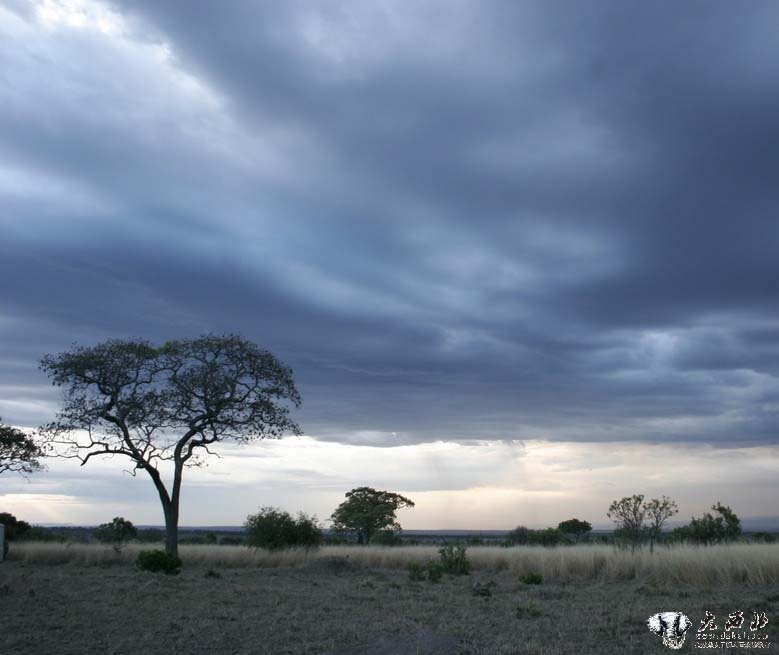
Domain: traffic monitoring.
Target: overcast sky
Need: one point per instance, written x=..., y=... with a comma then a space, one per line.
x=522, y=257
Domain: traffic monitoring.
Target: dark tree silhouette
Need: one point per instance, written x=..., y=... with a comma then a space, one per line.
x=637, y=520
x=117, y=532
x=629, y=514
x=18, y=451
x=367, y=511
x=709, y=529
x=658, y=511
x=167, y=404
x=575, y=527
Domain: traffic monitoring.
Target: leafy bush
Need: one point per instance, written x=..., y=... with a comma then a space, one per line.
x=764, y=537
x=454, y=560
x=386, y=538
x=517, y=537
x=200, y=539
x=532, y=578
x=150, y=536
x=527, y=611
x=273, y=529
x=14, y=529
x=416, y=573
x=37, y=533
x=711, y=530
x=547, y=537
x=159, y=561
x=435, y=571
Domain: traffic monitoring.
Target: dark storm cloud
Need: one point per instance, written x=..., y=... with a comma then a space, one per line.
x=454, y=220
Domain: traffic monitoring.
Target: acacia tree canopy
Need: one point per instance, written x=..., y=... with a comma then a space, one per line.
x=118, y=531
x=575, y=527
x=18, y=451
x=629, y=514
x=367, y=511
x=167, y=404
x=658, y=511
x=637, y=519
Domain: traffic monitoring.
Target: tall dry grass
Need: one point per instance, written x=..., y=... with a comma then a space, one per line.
x=744, y=564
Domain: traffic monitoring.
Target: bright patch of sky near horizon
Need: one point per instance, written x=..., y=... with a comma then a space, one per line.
x=467, y=226
x=485, y=485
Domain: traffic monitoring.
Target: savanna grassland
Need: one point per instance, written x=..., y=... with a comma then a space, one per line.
x=348, y=600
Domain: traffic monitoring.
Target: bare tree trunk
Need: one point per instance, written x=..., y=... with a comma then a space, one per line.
x=170, y=508
x=172, y=529
x=172, y=515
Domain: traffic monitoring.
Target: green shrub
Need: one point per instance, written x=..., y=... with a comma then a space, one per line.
x=159, y=561
x=527, y=611
x=37, y=533
x=532, y=578
x=708, y=529
x=150, y=536
x=517, y=537
x=764, y=537
x=546, y=537
x=435, y=572
x=454, y=560
x=273, y=529
x=386, y=538
x=415, y=572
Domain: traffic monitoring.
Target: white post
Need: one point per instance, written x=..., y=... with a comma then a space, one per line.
x=2, y=541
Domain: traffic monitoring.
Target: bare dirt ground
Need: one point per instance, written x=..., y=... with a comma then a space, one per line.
x=327, y=607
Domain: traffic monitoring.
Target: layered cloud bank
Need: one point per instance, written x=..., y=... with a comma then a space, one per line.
x=457, y=221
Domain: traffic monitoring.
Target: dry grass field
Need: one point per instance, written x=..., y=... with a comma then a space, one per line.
x=83, y=599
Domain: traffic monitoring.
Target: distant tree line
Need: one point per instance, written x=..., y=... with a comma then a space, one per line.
x=368, y=516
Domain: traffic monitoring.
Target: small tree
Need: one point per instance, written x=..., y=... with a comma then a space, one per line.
x=273, y=528
x=18, y=451
x=366, y=511
x=658, y=511
x=629, y=514
x=167, y=404
x=574, y=527
x=117, y=532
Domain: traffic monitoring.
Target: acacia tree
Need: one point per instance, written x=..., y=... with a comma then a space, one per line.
x=18, y=451
x=154, y=405
x=117, y=532
x=658, y=511
x=629, y=514
x=575, y=527
x=367, y=511
x=637, y=519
